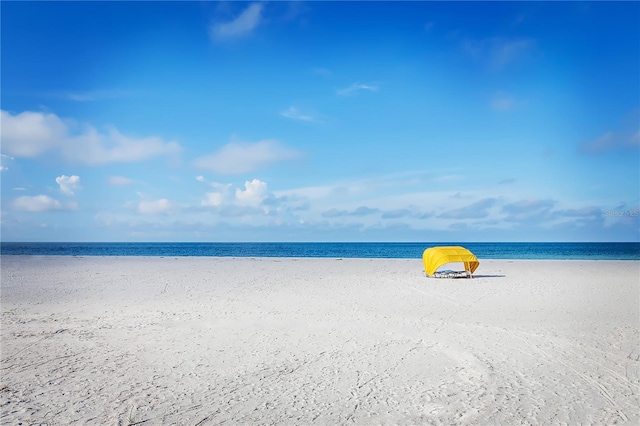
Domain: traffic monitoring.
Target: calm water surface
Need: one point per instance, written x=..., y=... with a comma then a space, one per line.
x=584, y=251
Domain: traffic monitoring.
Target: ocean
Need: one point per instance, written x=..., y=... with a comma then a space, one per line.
x=573, y=251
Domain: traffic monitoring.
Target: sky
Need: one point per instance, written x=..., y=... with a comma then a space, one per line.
x=320, y=121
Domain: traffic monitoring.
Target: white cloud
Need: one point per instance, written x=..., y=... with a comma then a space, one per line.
x=219, y=186
x=254, y=194
x=357, y=87
x=31, y=134
x=161, y=206
x=3, y=169
x=235, y=158
x=246, y=22
x=115, y=147
x=40, y=203
x=213, y=199
x=294, y=114
x=68, y=184
x=120, y=181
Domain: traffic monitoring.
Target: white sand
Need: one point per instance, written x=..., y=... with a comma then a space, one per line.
x=153, y=341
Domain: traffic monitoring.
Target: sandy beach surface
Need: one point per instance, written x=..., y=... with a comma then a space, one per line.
x=253, y=341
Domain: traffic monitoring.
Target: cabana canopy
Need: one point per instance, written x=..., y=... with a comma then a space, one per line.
x=435, y=257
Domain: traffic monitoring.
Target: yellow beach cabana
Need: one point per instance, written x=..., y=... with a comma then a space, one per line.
x=435, y=257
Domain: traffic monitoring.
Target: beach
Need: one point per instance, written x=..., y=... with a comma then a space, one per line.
x=298, y=341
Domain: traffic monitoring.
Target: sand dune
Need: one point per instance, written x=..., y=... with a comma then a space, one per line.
x=196, y=341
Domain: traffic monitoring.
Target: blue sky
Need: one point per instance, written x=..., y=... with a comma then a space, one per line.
x=320, y=121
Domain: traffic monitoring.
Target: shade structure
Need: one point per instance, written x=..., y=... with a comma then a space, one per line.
x=435, y=257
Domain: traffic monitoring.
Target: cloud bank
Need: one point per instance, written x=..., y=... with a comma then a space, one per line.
x=40, y=203
x=33, y=134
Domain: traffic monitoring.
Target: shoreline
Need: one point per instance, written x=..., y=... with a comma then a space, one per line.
x=118, y=340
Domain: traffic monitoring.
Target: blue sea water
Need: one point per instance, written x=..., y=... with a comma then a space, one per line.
x=581, y=251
